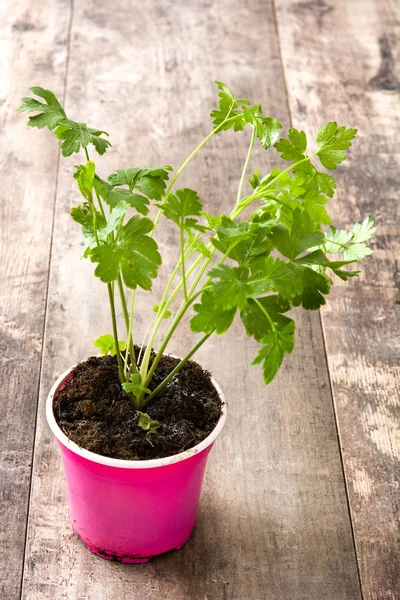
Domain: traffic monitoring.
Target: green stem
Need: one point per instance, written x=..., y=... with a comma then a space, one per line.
x=100, y=205
x=184, y=307
x=187, y=161
x=87, y=154
x=182, y=243
x=127, y=324
x=115, y=331
x=253, y=135
x=163, y=307
x=176, y=370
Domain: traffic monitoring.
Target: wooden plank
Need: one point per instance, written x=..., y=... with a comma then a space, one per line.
x=273, y=521
x=33, y=48
x=340, y=63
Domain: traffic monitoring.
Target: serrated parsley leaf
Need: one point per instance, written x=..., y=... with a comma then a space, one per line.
x=314, y=286
x=106, y=345
x=181, y=205
x=266, y=128
x=276, y=344
x=228, y=108
x=255, y=320
x=210, y=316
x=84, y=175
x=292, y=243
x=50, y=114
x=332, y=141
x=136, y=201
x=273, y=274
x=83, y=215
x=151, y=182
x=362, y=232
x=230, y=289
x=326, y=184
x=352, y=242
x=135, y=254
x=254, y=180
x=293, y=148
x=197, y=245
x=75, y=136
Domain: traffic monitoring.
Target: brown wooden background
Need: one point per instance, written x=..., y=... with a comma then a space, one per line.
x=301, y=499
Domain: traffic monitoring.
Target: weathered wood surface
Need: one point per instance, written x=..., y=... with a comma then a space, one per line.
x=341, y=62
x=273, y=521
x=33, y=48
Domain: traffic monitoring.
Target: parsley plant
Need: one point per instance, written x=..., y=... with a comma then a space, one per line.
x=260, y=267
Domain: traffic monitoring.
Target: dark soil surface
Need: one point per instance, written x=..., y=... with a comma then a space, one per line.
x=94, y=412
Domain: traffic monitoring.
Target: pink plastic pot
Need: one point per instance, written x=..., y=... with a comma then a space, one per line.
x=130, y=510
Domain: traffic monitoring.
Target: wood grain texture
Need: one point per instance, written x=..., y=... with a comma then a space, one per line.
x=342, y=62
x=32, y=50
x=273, y=522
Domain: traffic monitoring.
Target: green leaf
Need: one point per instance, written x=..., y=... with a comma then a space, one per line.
x=210, y=316
x=294, y=242
x=332, y=141
x=254, y=180
x=50, y=114
x=134, y=385
x=254, y=318
x=151, y=182
x=244, y=241
x=326, y=184
x=317, y=213
x=362, y=232
x=314, y=286
x=167, y=313
x=293, y=148
x=357, y=252
x=83, y=215
x=319, y=258
x=230, y=289
x=84, y=175
x=213, y=221
x=124, y=177
x=275, y=345
x=101, y=187
x=137, y=201
x=273, y=274
x=181, y=205
x=197, y=245
x=351, y=242
x=106, y=345
x=230, y=108
x=266, y=128
x=75, y=136
x=147, y=423
x=135, y=254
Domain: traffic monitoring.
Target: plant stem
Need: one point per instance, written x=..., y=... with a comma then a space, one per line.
x=175, y=371
x=183, y=308
x=163, y=307
x=115, y=331
x=187, y=161
x=128, y=324
x=100, y=205
x=182, y=243
x=87, y=154
x=253, y=135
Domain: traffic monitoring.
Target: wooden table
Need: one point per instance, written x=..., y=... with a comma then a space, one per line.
x=301, y=499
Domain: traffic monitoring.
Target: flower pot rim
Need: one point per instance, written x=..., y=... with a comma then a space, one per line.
x=130, y=464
